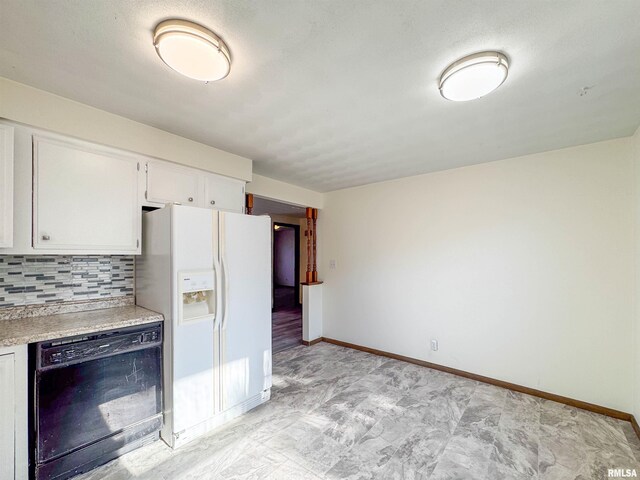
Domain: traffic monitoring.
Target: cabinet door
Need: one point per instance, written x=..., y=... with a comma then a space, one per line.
x=84, y=199
x=7, y=417
x=168, y=183
x=224, y=194
x=6, y=186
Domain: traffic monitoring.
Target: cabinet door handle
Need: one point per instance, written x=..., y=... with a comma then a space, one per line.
x=190, y=199
x=46, y=237
x=213, y=202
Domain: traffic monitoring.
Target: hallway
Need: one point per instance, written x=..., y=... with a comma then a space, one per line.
x=286, y=319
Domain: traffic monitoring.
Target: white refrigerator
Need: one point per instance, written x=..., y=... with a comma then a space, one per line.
x=209, y=273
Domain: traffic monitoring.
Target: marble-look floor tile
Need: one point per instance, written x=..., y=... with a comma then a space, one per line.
x=484, y=408
x=291, y=471
x=632, y=439
x=337, y=413
x=438, y=410
x=349, y=398
x=516, y=450
x=364, y=461
x=558, y=472
x=521, y=410
x=396, y=469
x=500, y=471
x=349, y=427
x=448, y=469
x=422, y=449
x=517, y=401
x=395, y=373
x=561, y=416
x=599, y=432
x=142, y=464
x=209, y=458
x=598, y=463
x=377, y=405
x=527, y=419
x=469, y=449
x=299, y=396
x=254, y=464
x=306, y=445
x=554, y=449
x=396, y=425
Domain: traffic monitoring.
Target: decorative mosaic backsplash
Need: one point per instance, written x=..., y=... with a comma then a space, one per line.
x=37, y=279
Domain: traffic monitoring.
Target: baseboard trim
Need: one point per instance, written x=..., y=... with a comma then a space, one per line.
x=498, y=383
x=312, y=342
x=634, y=424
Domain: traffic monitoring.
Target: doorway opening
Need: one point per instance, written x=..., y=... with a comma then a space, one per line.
x=287, y=225
x=286, y=264
x=287, y=310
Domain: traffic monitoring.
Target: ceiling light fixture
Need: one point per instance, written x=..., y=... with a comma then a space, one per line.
x=192, y=50
x=474, y=76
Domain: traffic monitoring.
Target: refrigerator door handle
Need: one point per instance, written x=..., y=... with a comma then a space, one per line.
x=225, y=312
x=218, y=309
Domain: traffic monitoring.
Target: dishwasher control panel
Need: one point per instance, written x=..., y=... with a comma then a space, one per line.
x=86, y=347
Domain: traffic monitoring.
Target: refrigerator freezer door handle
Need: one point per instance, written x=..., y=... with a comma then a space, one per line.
x=218, y=312
x=225, y=312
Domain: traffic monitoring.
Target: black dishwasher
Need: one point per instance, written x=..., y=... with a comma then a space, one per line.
x=95, y=397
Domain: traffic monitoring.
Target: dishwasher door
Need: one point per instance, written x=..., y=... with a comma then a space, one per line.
x=94, y=397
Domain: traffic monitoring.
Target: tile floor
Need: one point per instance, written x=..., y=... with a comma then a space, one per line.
x=337, y=413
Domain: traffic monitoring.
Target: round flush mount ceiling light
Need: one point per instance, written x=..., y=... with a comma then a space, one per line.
x=474, y=76
x=192, y=50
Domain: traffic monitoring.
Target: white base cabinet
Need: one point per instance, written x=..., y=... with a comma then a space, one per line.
x=14, y=463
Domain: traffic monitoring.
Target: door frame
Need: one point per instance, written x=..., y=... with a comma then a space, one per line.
x=296, y=274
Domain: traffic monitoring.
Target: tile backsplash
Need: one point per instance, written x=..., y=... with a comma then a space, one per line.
x=38, y=279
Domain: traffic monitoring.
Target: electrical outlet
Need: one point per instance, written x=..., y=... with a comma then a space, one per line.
x=434, y=345
x=333, y=264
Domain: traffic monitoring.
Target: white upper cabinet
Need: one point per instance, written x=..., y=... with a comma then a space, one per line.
x=85, y=198
x=224, y=193
x=168, y=183
x=6, y=186
x=60, y=195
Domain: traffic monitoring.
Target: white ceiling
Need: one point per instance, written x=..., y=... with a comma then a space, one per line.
x=264, y=206
x=328, y=94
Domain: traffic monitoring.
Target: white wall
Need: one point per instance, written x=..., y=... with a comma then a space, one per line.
x=523, y=269
x=636, y=333
x=41, y=109
x=284, y=192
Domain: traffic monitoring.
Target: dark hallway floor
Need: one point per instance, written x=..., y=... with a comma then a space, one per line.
x=286, y=319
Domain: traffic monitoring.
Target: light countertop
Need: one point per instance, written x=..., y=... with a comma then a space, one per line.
x=19, y=331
